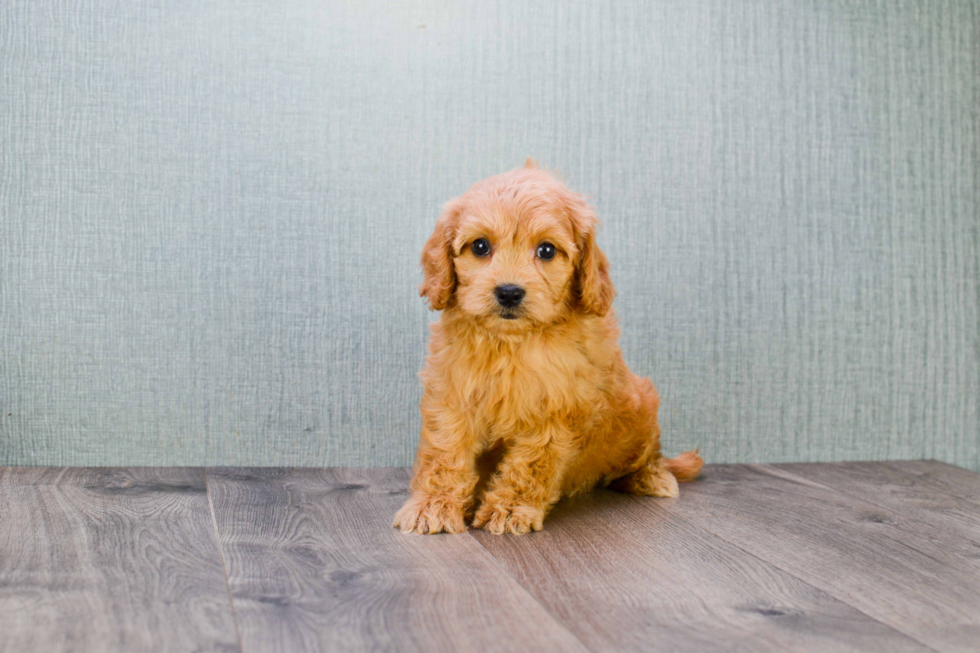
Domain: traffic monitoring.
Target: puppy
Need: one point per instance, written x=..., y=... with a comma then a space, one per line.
x=524, y=368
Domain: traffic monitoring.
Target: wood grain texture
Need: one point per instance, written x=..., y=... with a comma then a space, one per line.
x=95, y=560
x=878, y=560
x=903, y=484
x=624, y=574
x=869, y=556
x=943, y=499
x=314, y=565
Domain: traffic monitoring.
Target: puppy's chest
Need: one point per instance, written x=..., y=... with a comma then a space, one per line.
x=524, y=386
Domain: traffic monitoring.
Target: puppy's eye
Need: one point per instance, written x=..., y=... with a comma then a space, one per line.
x=480, y=247
x=546, y=251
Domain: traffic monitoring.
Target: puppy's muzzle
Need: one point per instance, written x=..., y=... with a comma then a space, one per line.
x=509, y=296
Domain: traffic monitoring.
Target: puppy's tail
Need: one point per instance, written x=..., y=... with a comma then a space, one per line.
x=686, y=466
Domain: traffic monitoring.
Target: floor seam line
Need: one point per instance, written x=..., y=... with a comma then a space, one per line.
x=558, y=621
x=224, y=566
x=524, y=589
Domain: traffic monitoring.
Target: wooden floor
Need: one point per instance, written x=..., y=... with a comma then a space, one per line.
x=818, y=557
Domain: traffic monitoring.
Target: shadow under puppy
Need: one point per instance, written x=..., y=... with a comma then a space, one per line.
x=523, y=367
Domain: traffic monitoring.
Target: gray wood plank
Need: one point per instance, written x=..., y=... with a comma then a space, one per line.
x=626, y=575
x=909, y=481
x=878, y=560
x=315, y=565
x=923, y=490
x=110, y=560
x=957, y=482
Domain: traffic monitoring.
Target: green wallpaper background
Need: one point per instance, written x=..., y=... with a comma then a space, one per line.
x=211, y=213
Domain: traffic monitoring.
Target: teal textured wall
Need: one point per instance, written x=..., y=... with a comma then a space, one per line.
x=210, y=216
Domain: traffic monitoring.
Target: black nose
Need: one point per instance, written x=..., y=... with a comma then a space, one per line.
x=509, y=296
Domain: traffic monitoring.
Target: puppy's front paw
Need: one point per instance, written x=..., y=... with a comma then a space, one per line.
x=500, y=516
x=425, y=514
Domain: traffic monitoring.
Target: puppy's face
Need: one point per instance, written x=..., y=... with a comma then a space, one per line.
x=514, y=262
x=515, y=252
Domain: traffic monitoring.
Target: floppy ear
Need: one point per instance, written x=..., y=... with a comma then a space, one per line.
x=595, y=288
x=439, y=278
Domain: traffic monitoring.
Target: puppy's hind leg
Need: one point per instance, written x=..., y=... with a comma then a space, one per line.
x=659, y=477
x=652, y=480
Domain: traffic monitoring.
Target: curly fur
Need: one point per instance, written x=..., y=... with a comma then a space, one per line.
x=517, y=413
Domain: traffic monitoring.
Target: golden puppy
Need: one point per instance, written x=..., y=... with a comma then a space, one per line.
x=524, y=368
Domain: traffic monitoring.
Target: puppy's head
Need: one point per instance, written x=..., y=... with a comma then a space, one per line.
x=517, y=251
